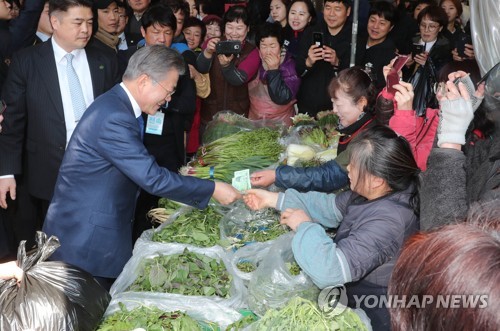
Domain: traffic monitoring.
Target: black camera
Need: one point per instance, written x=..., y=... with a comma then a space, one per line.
x=228, y=47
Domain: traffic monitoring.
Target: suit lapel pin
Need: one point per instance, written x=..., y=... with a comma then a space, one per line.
x=101, y=67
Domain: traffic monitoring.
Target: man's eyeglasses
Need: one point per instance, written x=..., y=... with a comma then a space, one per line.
x=169, y=93
x=429, y=27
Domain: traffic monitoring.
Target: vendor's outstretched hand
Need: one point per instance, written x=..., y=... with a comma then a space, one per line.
x=225, y=193
x=257, y=199
x=263, y=178
x=10, y=270
x=294, y=217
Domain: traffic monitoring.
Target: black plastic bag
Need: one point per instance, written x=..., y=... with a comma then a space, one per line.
x=424, y=80
x=52, y=295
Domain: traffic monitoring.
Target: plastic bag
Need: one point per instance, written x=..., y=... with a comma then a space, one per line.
x=253, y=254
x=272, y=285
x=201, y=309
x=226, y=122
x=242, y=226
x=424, y=81
x=135, y=266
x=485, y=26
x=52, y=295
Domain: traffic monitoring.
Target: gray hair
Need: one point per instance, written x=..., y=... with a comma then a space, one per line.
x=154, y=61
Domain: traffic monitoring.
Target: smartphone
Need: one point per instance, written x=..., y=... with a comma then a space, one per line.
x=393, y=76
x=228, y=47
x=318, y=39
x=417, y=49
x=460, y=43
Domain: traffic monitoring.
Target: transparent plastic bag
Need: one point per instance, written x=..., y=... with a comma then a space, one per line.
x=52, y=295
x=202, y=238
x=201, y=309
x=272, y=285
x=135, y=266
x=253, y=254
x=242, y=226
x=226, y=122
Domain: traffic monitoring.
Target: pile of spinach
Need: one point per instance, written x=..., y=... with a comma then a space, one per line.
x=188, y=273
x=151, y=319
x=197, y=227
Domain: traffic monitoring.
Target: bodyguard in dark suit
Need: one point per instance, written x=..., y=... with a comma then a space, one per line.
x=41, y=91
x=106, y=163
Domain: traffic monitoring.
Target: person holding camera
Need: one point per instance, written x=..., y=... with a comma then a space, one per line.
x=430, y=43
x=231, y=62
x=272, y=93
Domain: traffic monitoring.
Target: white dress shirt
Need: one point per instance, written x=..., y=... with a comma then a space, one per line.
x=82, y=69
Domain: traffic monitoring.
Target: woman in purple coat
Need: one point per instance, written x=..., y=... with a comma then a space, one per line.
x=272, y=93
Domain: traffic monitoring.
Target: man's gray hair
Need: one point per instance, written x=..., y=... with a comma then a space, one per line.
x=154, y=61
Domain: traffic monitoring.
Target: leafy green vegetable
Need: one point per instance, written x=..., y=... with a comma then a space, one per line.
x=264, y=226
x=302, y=314
x=151, y=319
x=239, y=146
x=225, y=171
x=197, y=227
x=225, y=124
x=242, y=323
x=293, y=267
x=246, y=266
x=188, y=273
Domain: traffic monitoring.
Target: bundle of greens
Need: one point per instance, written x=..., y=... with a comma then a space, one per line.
x=246, y=266
x=225, y=124
x=264, y=226
x=293, y=267
x=225, y=171
x=188, y=273
x=302, y=119
x=242, y=323
x=303, y=315
x=151, y=319
x=196, y=227
x=239, y=146
x=327, y=119
x=166, y=208
x=314, y=136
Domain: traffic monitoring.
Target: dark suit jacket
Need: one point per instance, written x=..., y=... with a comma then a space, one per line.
x=94, y=200
x=168, y=149
x=34, y=126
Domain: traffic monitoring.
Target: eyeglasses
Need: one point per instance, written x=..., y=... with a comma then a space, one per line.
x=169, y=93
x=429, y=27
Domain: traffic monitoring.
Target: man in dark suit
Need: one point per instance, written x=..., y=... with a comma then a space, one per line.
x=167, y=143
x=106, y=163
x=42, y=108
x=44, y=29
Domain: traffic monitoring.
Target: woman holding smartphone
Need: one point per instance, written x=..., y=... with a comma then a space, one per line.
x=301, y=14
x=431, y=22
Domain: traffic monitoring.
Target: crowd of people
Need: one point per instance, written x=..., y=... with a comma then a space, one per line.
x=103, y=101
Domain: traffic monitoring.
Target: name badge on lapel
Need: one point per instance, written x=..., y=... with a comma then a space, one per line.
x=155, y=123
